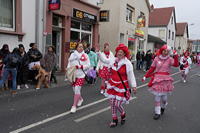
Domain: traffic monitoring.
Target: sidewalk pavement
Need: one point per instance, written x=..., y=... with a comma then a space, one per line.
x=60, y=83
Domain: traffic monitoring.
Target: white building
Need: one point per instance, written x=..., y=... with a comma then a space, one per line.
x=182, y=36
x=162, y=24
x=124, y=21
x=21, y=22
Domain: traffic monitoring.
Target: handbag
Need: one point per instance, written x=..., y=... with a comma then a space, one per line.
x=70, y=74
x=127, y=93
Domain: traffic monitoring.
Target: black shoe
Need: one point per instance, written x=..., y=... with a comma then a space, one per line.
x=162, y=110
x=114, y=123
x=156, y=116
x=123, y=120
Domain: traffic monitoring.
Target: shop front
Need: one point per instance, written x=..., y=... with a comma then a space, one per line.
x=75, y=21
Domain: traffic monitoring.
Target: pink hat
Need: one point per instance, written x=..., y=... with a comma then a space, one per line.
x=164, y=47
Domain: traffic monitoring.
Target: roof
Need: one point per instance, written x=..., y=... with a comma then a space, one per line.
x=181, y=28
x=160, y=16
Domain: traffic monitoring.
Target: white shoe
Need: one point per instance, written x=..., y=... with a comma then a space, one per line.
x=73, y=109
x=37, y=88
x=102, y=91
x=184, y=81
x=80, y=102
x=18, y=87
x=26, y=86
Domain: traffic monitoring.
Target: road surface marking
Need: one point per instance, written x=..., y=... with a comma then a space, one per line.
x=68, y=112
x=96, y=113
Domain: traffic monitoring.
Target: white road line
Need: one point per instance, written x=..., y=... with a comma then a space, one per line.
x=66, y=113
x=96, y=113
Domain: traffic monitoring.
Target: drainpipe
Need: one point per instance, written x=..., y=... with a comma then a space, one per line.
x=44, y=25
x=36, y=22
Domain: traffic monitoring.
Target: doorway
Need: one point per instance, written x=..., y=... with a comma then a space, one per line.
x=56, y=42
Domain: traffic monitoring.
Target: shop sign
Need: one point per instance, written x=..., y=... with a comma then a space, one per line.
x=72, y=45
x=141, y=21
x=54, y=4
x=104, y=16
x=84, y=16
x=139, y=33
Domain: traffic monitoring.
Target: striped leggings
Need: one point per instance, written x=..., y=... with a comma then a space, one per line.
x=116, y=105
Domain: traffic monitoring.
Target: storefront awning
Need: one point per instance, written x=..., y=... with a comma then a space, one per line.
x=155, y=39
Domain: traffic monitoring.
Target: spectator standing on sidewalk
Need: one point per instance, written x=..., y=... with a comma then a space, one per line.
x=121, y=82
x=3, y=53
x=161, y=81
x=148, y=58
x=106, y=59
x=142, y=60
x=34, y=56
x=22, y=73
x=81, y=61
x=11, y=62
x=49, y=60
x=138, y=59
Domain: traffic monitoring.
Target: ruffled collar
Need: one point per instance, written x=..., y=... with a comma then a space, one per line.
x=163, y=57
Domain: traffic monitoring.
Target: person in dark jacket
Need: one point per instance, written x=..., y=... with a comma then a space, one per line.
x=22, y=72
x=3, y=53
x=148, y=58
x=34, y=56
x=138, y=59
x=11, y=62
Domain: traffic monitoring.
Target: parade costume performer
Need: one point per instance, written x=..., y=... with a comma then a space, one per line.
x=81, y=61
x=106, y=59
x=185, y=63
x=161, y=81
x=198, y=59
x=122, y=80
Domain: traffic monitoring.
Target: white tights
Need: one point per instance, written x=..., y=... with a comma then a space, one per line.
x=160, y=102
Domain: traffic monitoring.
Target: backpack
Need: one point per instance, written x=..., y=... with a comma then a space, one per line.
x=13, y=61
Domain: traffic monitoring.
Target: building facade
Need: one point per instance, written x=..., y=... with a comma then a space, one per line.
x=21, y=22
x=75, y=20
x=124, y=22
x=182, y=36
x=162, y=24
x=196, y=46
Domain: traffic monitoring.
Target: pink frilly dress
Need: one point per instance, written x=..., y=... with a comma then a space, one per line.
x=162, y=82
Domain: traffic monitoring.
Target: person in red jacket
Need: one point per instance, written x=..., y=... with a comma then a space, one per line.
x=121, y=82
x=161, y=81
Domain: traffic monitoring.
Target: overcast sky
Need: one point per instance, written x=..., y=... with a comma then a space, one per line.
x=186, y=11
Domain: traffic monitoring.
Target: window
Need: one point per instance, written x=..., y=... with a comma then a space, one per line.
x=162, y=34
x=172, y=35
x=7, y=15
x=129, y=14
x=172, y=20
x=81, y=31
x=121, y=38
x=75, y=24
x=169, y=34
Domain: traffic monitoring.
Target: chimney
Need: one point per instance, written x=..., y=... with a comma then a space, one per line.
x=152, y=7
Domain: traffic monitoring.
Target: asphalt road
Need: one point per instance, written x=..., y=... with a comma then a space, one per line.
x=47, y=110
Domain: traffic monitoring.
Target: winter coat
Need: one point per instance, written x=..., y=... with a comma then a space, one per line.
x=7, y=60
x=35, y=52
x=81, y=60
x=49, y=61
